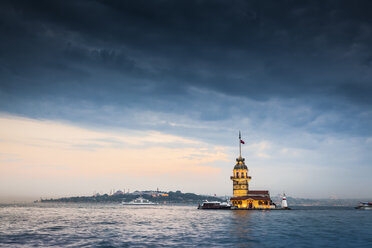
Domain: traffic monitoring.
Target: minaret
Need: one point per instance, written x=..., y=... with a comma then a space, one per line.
x=240, y=176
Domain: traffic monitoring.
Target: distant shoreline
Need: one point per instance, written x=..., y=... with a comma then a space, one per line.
x=159, y=197
x=190, y=198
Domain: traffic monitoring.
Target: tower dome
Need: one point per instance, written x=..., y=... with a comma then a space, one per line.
x=240, y=164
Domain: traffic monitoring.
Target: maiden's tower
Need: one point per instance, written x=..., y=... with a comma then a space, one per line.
x=243, y=197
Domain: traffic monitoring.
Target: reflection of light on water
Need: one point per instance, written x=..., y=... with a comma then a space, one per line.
x=241, y=224
x=249, y=227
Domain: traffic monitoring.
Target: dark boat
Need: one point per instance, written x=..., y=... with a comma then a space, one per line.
x=214, y=205
x=365, y=205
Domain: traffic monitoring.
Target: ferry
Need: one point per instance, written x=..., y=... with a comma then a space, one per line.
x=139, y=201
x=365, y=205
x=214, y=205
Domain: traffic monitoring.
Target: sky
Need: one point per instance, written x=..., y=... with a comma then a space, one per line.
x=139, y=95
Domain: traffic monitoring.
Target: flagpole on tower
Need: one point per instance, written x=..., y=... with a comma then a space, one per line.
x=240, y=145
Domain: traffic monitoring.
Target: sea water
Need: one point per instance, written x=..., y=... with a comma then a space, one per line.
x=114, y=225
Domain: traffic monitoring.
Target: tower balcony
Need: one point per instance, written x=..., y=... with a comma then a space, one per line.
x=232, y=177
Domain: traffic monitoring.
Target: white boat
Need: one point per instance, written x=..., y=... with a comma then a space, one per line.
x=139, y=201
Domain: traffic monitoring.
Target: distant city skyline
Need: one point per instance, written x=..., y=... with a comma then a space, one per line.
x=101, y=95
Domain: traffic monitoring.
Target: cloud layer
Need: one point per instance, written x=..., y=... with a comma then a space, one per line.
x=294, y=76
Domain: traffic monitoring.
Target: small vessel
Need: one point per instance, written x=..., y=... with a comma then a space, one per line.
x=139, y=201
x=214, y=205
x=365, y=205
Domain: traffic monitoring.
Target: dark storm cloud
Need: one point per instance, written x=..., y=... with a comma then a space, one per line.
x=151, y=53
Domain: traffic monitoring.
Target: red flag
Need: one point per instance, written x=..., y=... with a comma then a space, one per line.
x=241, y=141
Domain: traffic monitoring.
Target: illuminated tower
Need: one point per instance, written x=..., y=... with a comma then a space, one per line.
x=240, y=176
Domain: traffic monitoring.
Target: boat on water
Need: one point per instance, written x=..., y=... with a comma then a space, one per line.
x=139, y=201
x=214, y=205
x=365, y=205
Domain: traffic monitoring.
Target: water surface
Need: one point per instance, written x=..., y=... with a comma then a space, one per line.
x=108, y=225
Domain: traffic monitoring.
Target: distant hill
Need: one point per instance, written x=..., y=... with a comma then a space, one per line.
x=159, y=197
x=190, y=198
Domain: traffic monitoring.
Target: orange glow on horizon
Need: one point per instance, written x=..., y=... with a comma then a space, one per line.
x=40, y=149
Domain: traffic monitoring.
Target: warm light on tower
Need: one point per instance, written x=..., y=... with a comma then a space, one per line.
x=243, y=197
x=240, y=176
